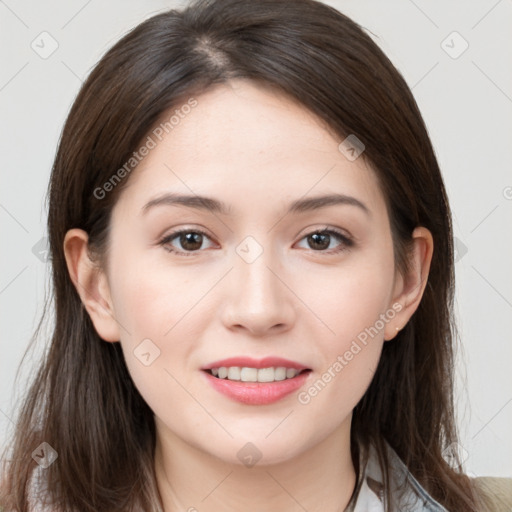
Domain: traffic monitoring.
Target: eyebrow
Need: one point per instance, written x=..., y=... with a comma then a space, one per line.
x=216, y=206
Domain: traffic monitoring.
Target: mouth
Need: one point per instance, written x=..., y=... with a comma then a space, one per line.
x=259, y=375
x=256, y=381
x=256, y=386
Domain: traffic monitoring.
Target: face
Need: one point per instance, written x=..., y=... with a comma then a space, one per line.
x=255, y=279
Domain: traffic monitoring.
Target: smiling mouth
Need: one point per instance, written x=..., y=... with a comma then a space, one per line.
x=261, y=375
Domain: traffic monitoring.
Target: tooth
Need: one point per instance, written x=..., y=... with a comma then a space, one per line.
x=249, y=374
x=266, y=375
x=280, y=373
x=234, y=373
x=291, y=372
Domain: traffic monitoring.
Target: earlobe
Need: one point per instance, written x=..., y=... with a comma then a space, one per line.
x=91, y=284
x=409, y=289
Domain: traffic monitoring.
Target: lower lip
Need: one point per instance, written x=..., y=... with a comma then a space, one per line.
x=257, y=393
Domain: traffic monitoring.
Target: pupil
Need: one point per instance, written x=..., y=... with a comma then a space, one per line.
x=191, y=238
x=316, y=236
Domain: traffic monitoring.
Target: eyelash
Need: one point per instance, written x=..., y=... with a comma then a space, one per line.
x=347, y=242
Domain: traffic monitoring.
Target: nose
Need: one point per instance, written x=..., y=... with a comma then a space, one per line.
x=259, y=300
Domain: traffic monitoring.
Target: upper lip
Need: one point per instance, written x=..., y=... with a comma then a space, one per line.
x=249, y=362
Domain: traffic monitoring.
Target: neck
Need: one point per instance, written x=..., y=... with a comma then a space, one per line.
x=321, y=478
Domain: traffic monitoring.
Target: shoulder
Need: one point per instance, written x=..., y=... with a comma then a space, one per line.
x=495, y=492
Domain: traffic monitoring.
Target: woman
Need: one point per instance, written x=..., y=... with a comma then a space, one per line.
x=253, y=274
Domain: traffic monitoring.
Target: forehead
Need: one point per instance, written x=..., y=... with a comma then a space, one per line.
x=244, y=144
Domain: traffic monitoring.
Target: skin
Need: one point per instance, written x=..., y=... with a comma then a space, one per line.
x=257, y=151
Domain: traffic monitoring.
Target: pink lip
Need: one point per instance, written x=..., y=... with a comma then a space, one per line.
x=256, y=393
x=249, y=362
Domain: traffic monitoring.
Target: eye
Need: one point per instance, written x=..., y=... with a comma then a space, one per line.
x=321, y=240
x=190, y=240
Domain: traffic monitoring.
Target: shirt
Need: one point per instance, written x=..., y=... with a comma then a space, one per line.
x=369, y=495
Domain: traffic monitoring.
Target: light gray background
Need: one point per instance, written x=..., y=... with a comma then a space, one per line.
x=466, y=101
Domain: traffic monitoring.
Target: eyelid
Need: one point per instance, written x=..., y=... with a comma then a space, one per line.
x=326, y=227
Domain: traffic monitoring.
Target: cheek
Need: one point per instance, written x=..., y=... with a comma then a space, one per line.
x=349, y=357
x=342, y=384
x=155, y=307
x=353, y=305
x=151, y=299
x=350, y=300
x=152, y=347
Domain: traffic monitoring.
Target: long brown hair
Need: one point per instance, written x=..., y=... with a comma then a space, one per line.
x=83, y=402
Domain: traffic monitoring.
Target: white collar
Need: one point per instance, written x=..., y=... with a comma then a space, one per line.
x=406, y=492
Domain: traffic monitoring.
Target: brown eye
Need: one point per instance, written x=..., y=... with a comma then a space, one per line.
x=321, y=240
x=190, y=241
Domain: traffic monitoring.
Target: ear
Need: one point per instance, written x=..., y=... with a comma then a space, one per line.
x=91, y=284
x=408, y=289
